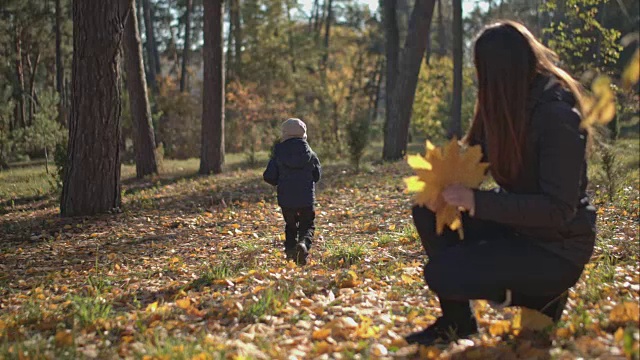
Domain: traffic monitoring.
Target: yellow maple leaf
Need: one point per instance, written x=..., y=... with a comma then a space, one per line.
x=440, y=168
x=631, y=73
x=600, y=108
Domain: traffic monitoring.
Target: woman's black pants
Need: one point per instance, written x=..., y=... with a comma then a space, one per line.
x=490, y=260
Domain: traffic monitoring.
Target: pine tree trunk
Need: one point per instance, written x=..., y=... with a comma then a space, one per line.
x=392, y=48
x=150, y=46
x=292, y=49
x=212, y=147
x=404, y=91
x=187, y=47
x=455, y=126
x=442, y=36
x=229, y=65
x=327, y=33
x=33, y=68
x=60, y=67
x=20, y=115
x=92, y=171
x=144, y=142
x=237, y=38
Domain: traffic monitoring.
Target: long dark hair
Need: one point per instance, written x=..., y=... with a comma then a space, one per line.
x=508, y=58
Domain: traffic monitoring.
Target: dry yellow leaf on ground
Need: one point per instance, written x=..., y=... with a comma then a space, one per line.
x=347, y=279
x=64, y=338
x=500, y=327
x=528, y=319
x=623, y=313
x=440, y=168
x=152, y=307
x=430, y=352
x=183, y=303
x=321, y=334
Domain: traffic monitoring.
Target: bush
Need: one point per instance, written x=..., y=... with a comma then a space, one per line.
x=432, y=105
x=41, y=137
x=358, y=131
x=179, y=125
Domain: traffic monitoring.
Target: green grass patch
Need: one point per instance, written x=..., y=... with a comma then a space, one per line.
x=89, y=309
x=219, y=271
x=269, y=302
x=345, y=254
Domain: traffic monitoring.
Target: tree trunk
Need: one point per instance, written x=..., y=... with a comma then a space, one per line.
x=237, y=38
x=187, y=47
x=392, y=48
x=455, y=126
x=150, y=46
x=144, y=142
x=60, y=67
x=33, y=68
x=442, y=36
x=92, y=172
x=327, y=32
x=291, y=29
x=427, y=52
x=212, y=149
x=376, y=96
x=20, y=115
x=230, y=66
x=396, y=137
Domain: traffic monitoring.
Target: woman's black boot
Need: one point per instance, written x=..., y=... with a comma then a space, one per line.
x=457, y=322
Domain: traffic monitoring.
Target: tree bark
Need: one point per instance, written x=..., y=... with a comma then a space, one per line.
x=396, y=137
x=20, y=115
x=455, y=126
x=187, y=47
x=327, y=33
x=33, y=68
x=291, y=28
x=237, y=38
x=428, y=50
x=144, y=141
x=230, y=66
x=92, y=171
x=442, y=36
x=150, y=46
x=212, y=149
x=60, y=67
x=392, y=48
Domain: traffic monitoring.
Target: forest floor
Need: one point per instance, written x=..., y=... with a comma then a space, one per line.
x=193, y=268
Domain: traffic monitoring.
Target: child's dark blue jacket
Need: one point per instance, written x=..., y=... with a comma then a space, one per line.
x=294, y=169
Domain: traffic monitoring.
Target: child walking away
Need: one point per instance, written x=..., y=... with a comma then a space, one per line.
x=294, y=168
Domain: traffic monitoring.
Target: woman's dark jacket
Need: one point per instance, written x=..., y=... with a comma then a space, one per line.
x=548, y=204
x=294, y=169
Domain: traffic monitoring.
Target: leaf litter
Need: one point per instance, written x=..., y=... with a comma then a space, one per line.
x=193, y=269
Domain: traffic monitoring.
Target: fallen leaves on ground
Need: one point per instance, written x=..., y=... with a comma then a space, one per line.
x=195, y=269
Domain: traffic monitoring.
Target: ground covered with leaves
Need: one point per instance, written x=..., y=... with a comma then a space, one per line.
x=193, y=268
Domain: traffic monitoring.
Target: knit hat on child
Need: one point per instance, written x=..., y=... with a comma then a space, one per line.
x=294, y=128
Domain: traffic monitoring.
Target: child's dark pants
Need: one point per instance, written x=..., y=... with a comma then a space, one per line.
x=299, y=226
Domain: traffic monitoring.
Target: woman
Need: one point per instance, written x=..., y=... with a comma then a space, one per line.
x=527, y=242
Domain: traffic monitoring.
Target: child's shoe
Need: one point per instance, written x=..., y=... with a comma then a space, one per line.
x=301, y=254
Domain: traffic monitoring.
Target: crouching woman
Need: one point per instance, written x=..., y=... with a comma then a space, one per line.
x=527, y=242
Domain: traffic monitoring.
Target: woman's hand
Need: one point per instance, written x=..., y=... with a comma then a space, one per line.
x=460, y=196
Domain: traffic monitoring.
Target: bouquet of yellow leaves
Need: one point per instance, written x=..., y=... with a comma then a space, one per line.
x=440, y=168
